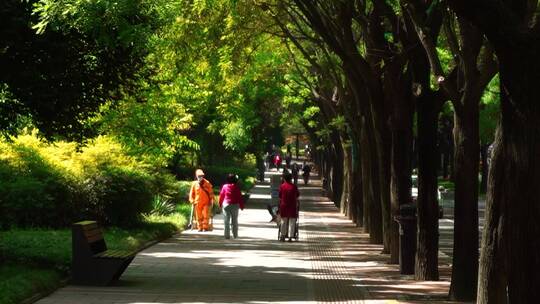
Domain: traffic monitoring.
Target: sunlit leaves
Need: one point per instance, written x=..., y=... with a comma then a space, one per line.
x=490, y=111
x=209, y=67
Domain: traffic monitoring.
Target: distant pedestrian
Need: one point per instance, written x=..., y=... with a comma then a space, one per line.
x=267, y=161
x=277, y=161
x=306, y=169
x=288, y=158
x=201, y=196
x=230, y=199
x=288, y=207
x=294, y=171
x=490, y=154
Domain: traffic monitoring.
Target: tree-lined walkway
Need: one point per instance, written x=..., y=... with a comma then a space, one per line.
x=333, y=262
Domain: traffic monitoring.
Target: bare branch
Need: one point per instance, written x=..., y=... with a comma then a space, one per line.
x=448, y=86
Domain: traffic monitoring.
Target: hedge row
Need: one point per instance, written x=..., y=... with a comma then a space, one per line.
x=54, y=184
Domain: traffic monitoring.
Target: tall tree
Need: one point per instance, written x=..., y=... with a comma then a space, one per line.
x=464, y=86
x=509, y=269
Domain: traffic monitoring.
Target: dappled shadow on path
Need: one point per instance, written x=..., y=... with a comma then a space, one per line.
x=332, y=262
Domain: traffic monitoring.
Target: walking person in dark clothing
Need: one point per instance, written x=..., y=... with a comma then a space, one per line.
x=306, y=169
x=294, y=171
x=288, y=159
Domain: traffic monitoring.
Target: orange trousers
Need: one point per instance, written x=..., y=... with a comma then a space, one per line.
x=202, y=212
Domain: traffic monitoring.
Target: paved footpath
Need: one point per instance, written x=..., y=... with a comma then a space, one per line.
x=332, y=263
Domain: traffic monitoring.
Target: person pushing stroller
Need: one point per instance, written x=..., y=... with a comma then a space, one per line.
x=288, y=207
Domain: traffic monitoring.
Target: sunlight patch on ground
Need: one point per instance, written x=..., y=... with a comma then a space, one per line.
x=261, y=186
x=260, y=196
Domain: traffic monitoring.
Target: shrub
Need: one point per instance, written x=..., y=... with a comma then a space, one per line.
x=183, y=190
x=162, y=205
x=166, y=184
x=34, y=189
x=54, y=184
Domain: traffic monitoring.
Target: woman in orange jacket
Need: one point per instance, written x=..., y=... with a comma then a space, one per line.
x=201, y=196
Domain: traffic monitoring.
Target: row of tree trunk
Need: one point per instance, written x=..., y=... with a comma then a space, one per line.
x=367, y=165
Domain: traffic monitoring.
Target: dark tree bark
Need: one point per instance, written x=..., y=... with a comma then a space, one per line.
x=478, y=68
x=466, y=157
x=346, y=179
x=337, y=169
x=474, y=70
x=427, y=249
x=401, y=147
x=372, y=206
x=428, y=106
x=357, y=207
x=509, y=259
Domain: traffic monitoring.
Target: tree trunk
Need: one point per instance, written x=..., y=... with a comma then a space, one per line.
x=337, y=171
x=513, y=203
x=375, y=208
x=357, y=205
x=383, y=149
x=426, y=267
x=346, y=179
x=492, y=274
x=400, y=186
x=397, y=88
x=372, y=206
x=466, y=157
x=326, y=157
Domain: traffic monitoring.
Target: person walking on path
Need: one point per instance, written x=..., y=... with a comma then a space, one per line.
x=288, y=207
x=230, y=199
x=201, y=196
x=306, y=169
x=277, y=161
x=294, y=171
x=267, y=161
x=288, y=158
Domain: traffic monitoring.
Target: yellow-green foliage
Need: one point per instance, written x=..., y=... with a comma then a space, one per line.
x=104, y=152
x=53, y=184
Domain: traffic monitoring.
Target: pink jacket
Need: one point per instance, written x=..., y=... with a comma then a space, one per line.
x=230, y=193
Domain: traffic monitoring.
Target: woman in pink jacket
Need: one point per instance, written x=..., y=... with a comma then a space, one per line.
x=230, y=199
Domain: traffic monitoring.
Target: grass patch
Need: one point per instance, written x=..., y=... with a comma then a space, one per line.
x=447, y=184
x=43, y=247
x=19, y=282
x=38, y=259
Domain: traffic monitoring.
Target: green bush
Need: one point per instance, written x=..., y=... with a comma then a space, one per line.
x=119, y=197
x=183, y=190
x=166, y=184
x=161, y=205
x=34, y=191
x=54, y=184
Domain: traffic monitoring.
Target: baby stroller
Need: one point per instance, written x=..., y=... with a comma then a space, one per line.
x=274, y=211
